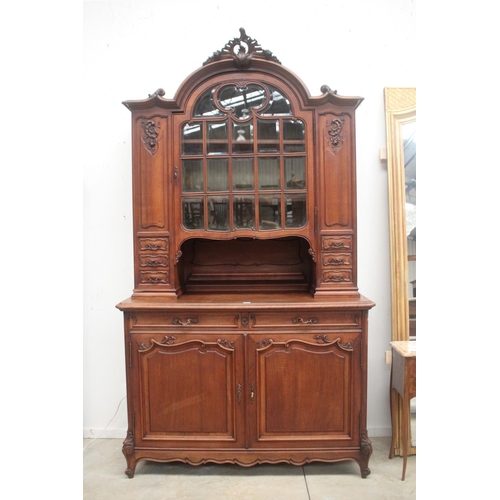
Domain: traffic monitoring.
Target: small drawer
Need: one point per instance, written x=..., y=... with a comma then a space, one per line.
x=150, y=260
x=336, y=259
x=304, y=319
x=187, y=319
x=329, y=243
x=153, y=244
x=154, y=277
x=340, y=276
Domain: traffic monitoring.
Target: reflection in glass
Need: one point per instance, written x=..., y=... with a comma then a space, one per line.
x=295, y=210
x=192, y=139
x=268, y=138
x=192, y=175
x=269, y=173
x=218, y=212
x=217, y=175
x=295, y=172
x=278, y=104
x=293, y=136
x=243, y=212
x=217, y=138
x=192, y=212
x=241, y=100
x=269, y=212
x=205, y=105
x=242, y=138
x=243, y=174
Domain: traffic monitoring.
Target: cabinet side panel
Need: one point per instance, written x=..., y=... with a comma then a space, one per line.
x=335, y=190
x=151, y=156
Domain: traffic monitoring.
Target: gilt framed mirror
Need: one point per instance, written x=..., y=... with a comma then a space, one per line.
x=401, y=119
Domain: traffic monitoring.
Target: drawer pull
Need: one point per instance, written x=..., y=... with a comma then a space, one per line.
x=190, y=321
x=252, y=392
x=312, y=321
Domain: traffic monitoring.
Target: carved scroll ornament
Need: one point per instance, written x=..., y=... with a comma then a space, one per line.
x=242, y=50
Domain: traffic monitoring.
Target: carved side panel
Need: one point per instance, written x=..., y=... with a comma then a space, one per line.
x=335, y=144
x=152, y=155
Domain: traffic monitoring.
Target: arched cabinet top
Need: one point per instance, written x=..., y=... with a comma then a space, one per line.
x=239, y=57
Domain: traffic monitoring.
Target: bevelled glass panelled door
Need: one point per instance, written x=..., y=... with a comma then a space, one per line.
x=243, y=161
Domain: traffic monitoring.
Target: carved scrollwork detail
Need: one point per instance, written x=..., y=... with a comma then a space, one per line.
x=167, y=340
x=225, y=343
x=150, y=137
x=323, y=339
x=191, y=321
x=312, y=321
x=242, y=50
x=264, y=343
x=334, y=131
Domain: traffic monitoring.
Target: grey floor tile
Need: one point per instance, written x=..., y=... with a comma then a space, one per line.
x=104, y=478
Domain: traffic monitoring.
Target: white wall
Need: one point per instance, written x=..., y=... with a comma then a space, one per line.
x=357, y=47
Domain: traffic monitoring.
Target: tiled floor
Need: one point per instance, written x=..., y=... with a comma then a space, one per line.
x=104, y=478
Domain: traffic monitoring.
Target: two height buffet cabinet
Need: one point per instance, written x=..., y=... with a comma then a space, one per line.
x=245, y=335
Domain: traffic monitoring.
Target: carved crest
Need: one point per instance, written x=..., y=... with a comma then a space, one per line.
x=242, y=50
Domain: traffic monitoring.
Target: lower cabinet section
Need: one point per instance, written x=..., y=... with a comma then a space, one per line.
x=234, y=395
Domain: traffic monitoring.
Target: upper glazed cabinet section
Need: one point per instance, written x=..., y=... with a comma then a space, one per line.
x=244, y=160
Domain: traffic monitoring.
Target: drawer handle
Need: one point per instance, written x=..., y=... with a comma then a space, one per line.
x=190, y=321
x=312, y=321
x=252, y=392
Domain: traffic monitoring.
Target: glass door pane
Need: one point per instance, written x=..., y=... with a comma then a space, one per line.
x=244, y=212
x=242, y=138
x=295, y=210
x=218, y=174
x=269, y=212
x=192, y=212
x=295, y=172
x=192, y=175
x=269, y=173
x=293, y=136
x=268, y=136
x=192, y=139
x=217, y=138
x=218, y=213
x=243, y=174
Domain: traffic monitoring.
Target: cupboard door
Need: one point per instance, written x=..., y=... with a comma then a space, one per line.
x=305, y=389
x=188, y=390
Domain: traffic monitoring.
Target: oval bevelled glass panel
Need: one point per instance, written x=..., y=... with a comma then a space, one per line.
x=295, y=210
x=192, y=139
x=243, y=212
x=192, y=175
x=192, y=212
x=293, y=136
x=205, y=105
x=242, y=100
x=270, y=212
x=217, y=138
x=295, y=172
x=218, y=213
x=217, y=174
x=278, y=104
x=269, y=173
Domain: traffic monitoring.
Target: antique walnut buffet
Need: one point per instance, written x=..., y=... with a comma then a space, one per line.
x=245, y=335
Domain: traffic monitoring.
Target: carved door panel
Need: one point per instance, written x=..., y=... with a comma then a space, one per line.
x=305, y=389
x=189, y=390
